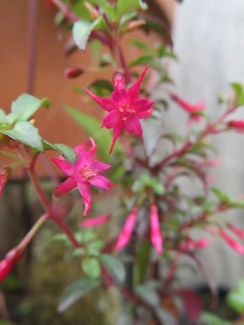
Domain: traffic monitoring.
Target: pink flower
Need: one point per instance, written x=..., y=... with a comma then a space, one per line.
x=82, y=174
x=237, y=124
x=5, y=268
x=93, y=222
x=236, y=246
x=189, y=108
x=236, y=230
x=155, y=234
x=125, y=108
x=191, y=245
x=126, y=232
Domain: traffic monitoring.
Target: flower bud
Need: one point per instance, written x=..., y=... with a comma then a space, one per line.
x=73, y=72
x=93, y=222
x=155, y=235
x=5, y=173
x=237, y=124
x=126, y=232
x=236, y=246
x=134, y=24
x=92, y=11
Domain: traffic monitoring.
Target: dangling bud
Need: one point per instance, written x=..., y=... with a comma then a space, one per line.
x=5, y=173
x=126, y=232
x=236, y=246
x=73, y=72
x=134, y=24
x=155, y=235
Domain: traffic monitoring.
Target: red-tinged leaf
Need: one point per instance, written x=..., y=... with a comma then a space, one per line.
x=192, y=303
x=4, y=176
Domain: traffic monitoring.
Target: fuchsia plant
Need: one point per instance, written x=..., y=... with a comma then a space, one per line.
x=159, y=217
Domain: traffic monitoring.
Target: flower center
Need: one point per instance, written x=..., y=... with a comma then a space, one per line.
x=87, y=173
x=125, y=111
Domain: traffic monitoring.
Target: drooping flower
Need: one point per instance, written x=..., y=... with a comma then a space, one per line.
x=236, y=230
x=192, y=109
x=8, y=262
x=235, y=245
x=155, y=234
x=125, y=108
x=126, y=232
x=237, y=124
x=5, y=268
x=191, y=245
x=94, y=222
x=83, y=174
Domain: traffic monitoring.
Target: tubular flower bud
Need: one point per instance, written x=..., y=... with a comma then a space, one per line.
x=189, y=108
x=126, y=232
x=191, y=245
x=10, y=259
x=73, y=72
x=236, y=246
x=4, y=176
x=92, y=11
x=237, y=124
x=94, y=222
x=134, y=24
x=236, y=230
x=155, y=234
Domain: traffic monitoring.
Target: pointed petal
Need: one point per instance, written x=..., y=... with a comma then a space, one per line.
x=100, y=181
x=155, y=234
x=112, y=119
x=85, y=192
x=65, y=187
x=98, y=166
x=119, y=96
x=93, y=222
x=104, y=102
x=134, y=90
x=141, y=104
x=133, y=126
x=118, y=129
x=144, y=114
x=126, y=232
x=66, y=167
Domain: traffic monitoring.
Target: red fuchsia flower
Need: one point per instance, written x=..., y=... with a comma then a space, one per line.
x=94, y=222
x=236, y=230
x=155, y=234
x=125, y=108
x=237, y=124
x=236, y=246
x=126, y=232
x=83, y=174
x=10, y=259
x=190, y=108
x=191, y=245
x=5, y=268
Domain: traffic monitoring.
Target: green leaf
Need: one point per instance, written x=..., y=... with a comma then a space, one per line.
x=114, y=267
x=148, y=59
x=107, y=8
x=140, y=45
x=152, y=25
x=235, y=297
x=77, y=290
x=27, y=134
x=222, y=196
x=26, y=105
x=239, y=92
x=67, y=152
x=100, y=86
x=92, y=128
x=211, y=319
x=91, y=267
x=126, y=17
x=82, y=31
x=148, y=294
x=124, y=6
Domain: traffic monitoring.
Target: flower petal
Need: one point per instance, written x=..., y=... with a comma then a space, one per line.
x=118, y=129
x=119, y=96
x=93, y=222
x=144, y=114
x=126, y=232
x=66, y=167
x=133, y=125
x=112, y=119
x=85, y=192
x=104, y=102
x=65, y=187
x=141, y=104
x=100, y=181
x=98, y=166
x=134, y=90
x=155, y=234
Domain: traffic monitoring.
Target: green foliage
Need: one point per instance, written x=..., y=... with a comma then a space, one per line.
x=239, y=93
x=26, y=133
x=77, y=290
x=211, y=319
x=145, y=182
x=114, y=267
x=235, y=297
x=124, y=6
x=91, y=267
x=67, y=152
